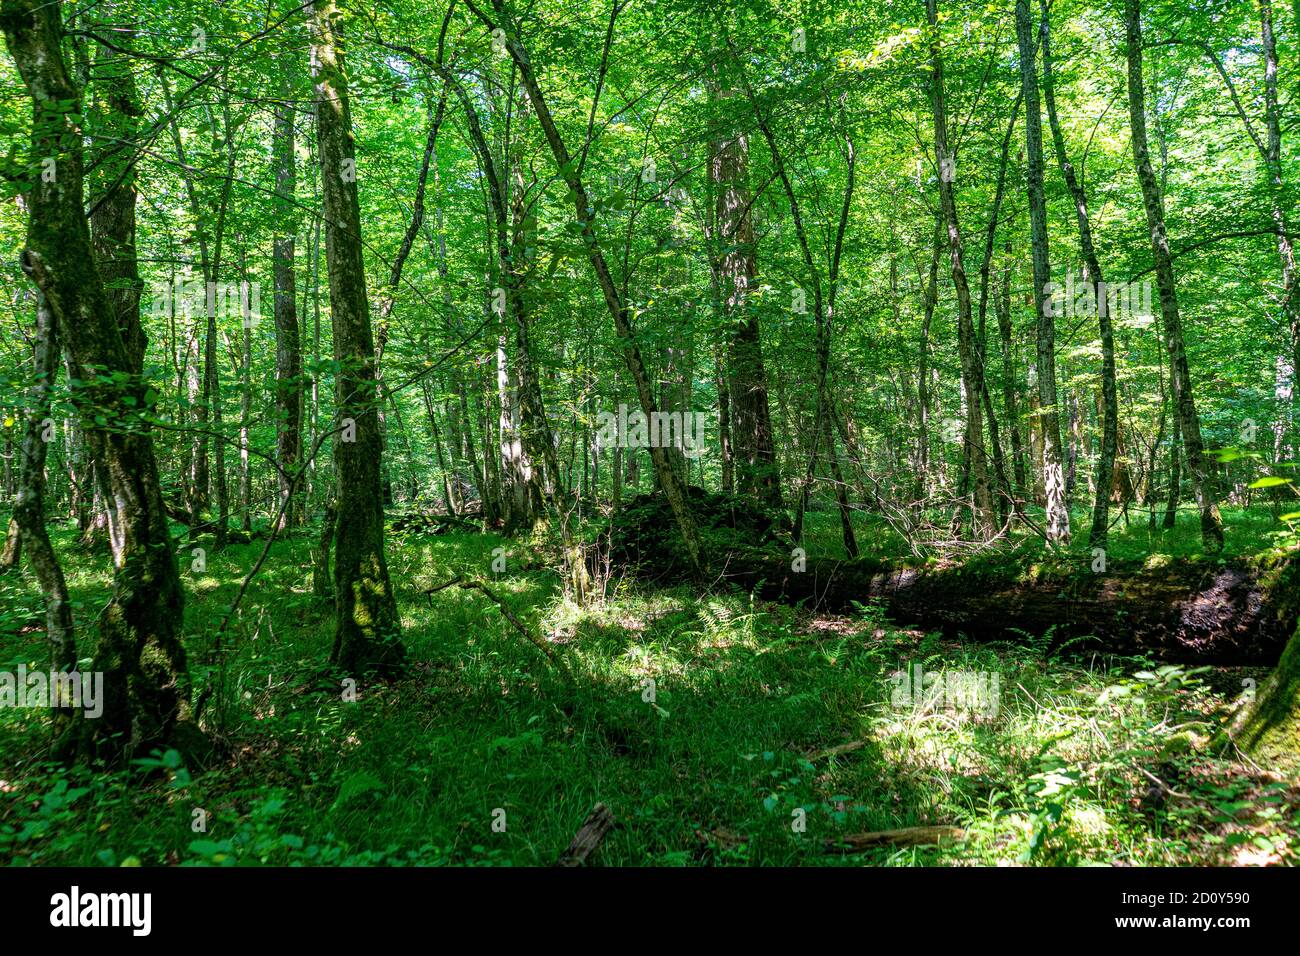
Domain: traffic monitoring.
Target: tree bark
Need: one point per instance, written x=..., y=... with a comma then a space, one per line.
x=752, y=452
x=1175, y=477
x=921, y=479
x=212, y=402
x=112, y=222
x=245, y=370
x=320, y=568
x=543, y=472
x=1277, y=193
x=113, y=229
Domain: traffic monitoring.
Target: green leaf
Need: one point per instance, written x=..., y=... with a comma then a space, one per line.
x=357, y=784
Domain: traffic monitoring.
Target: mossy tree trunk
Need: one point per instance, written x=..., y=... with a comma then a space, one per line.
x=1195, y=611
x=367, y=635
x=1268, y=729
x=146, y=682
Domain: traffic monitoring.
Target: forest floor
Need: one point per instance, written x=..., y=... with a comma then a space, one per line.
x=768, y=735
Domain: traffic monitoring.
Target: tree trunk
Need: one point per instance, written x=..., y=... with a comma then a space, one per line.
x=211, y=367
x=728, y=476
x=113, y=229
x=112, y=222
x=515, y=469
x=1153, y=201
x=288, y=342
x=1110, y=403
x=245, y=412
x=752, y=451
x=139, y=652
x=1010, y=380
x=534, y=425
x=569, y=171
x=1277, y=192
x=321, y=585
x=367, y=635
x=921, y=479
x=982, y=512
x=1058, y=515
x=1268, y=726
x=29, y=514
x=1175, y=477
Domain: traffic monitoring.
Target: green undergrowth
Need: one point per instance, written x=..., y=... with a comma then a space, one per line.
x=719, y=730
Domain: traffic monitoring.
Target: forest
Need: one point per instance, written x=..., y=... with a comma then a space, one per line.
x=649, y=433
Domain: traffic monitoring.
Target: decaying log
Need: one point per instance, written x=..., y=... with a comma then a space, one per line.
x=433, y=524
x=838, y=750
x=1206, y=610
x=178, y=512
x=908, y=836
x=599, y=822
x=1203, y=611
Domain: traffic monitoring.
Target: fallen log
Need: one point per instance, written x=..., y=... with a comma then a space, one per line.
x=434, y=524
x=908, y=836
x=1202, y=610
x=599, y=822
x=1193, y=610
x=838, y=750
x=178, y=512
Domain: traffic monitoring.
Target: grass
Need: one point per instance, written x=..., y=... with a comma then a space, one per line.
x=702, y=720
